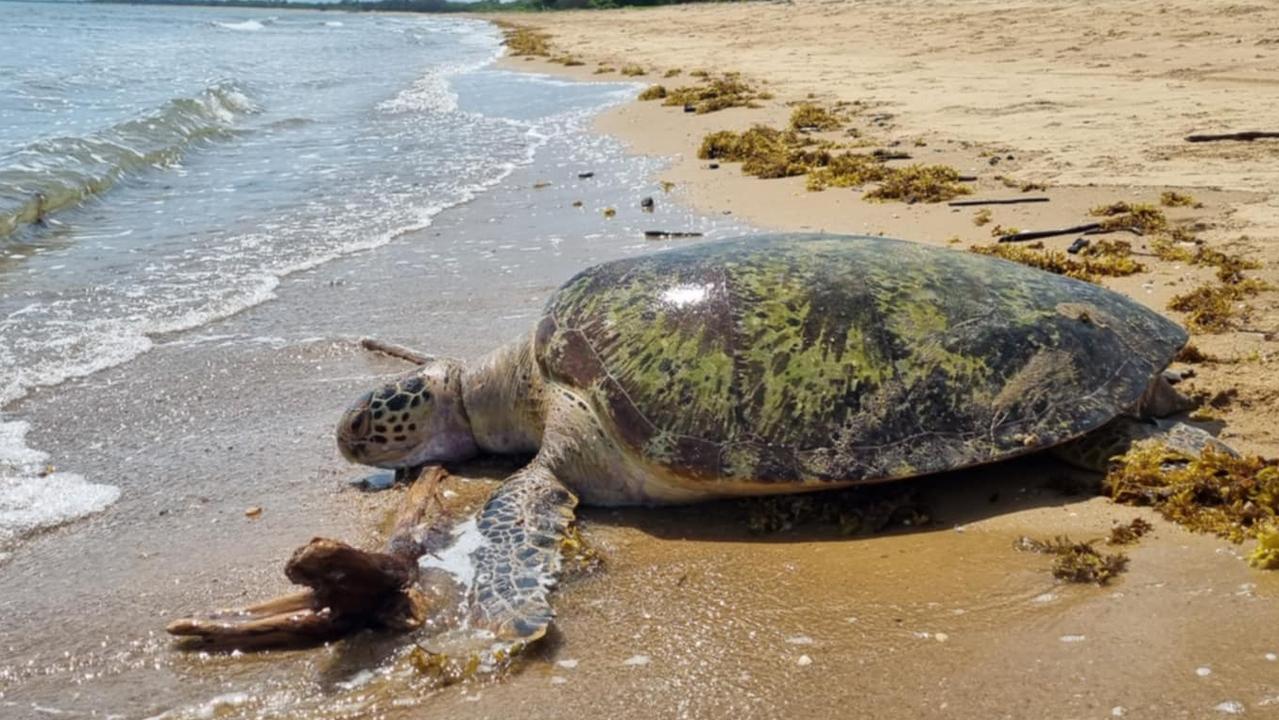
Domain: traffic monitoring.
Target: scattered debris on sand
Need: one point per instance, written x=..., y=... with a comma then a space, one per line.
x=1236, y=498
x=1077, y=562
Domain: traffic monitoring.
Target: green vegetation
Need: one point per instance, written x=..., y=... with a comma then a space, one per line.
x=653, y=92
x=1143, y=218
x=1233, y=497
x=1077, y=562
x=718, y=93
x=1266, y=555
x=919, y=183
x=808, y=117
x=847, y=170
x=767, y=152
x=763, y=151
x=1129, y=532
x=1172, y=198
x=1102, y=259
x=1215, y=308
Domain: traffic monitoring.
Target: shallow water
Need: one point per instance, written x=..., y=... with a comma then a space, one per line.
x=189, y=159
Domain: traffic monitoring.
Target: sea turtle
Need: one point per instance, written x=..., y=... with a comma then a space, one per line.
x=743, y=367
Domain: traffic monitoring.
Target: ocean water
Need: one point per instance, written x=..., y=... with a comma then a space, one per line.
x=163, y=168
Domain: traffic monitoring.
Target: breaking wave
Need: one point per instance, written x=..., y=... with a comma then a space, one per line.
x=62, y=172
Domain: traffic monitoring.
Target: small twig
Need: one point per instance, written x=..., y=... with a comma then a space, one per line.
x=1037, y=234
x=1247, y=136
x=1002, y=201
x=395, y=351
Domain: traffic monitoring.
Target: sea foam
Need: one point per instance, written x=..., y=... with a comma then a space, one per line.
x=32, y=497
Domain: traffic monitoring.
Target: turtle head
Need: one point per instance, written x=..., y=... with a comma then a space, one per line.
x=413, y=419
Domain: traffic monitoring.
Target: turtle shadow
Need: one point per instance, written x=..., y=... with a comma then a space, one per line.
x=917, y=505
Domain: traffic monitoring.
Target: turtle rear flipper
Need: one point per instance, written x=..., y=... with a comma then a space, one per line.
x=518, y=562
x=1095, y=450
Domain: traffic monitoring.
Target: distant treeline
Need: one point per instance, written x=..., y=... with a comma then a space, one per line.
x=425, y=6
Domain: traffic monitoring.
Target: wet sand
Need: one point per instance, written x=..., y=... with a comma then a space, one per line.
x=692, y=615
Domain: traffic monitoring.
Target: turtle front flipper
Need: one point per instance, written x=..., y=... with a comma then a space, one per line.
x=347, y=589
x=518, y=562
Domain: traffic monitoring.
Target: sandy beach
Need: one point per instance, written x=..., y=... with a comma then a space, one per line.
x=693, y=615
x=1091, y=99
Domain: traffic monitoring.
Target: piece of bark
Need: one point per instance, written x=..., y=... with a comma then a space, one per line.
x=1246, y=136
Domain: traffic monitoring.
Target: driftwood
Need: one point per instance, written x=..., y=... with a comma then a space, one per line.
x=967, y=178
x=395, y=351
x=346, y=588
x=659, y=234
x=882, y=154
x=1247, y=136
x=1089, y=229
x=1037, y=234
x=1001, y=201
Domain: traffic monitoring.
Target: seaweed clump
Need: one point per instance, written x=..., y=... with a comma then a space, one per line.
x=1236, y=498
x=920, y=183
x=1216, y=308
x=847, y=170
x=715, y=94
x=1112, y=260
x=767, y=152
x=1266, y=555
x=633, y=71
x=1129, y=532
x=763, y=151
x=807, y=117
x=856, y=511
x=653, y=92
x=1172, y=198
x=1077, y=562
x=1138, y=217
x=525, y=41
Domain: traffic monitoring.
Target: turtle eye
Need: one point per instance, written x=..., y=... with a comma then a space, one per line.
x=359, y=423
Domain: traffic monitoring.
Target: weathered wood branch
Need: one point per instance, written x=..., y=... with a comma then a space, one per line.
x=999, y=201
x=1246, y=136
